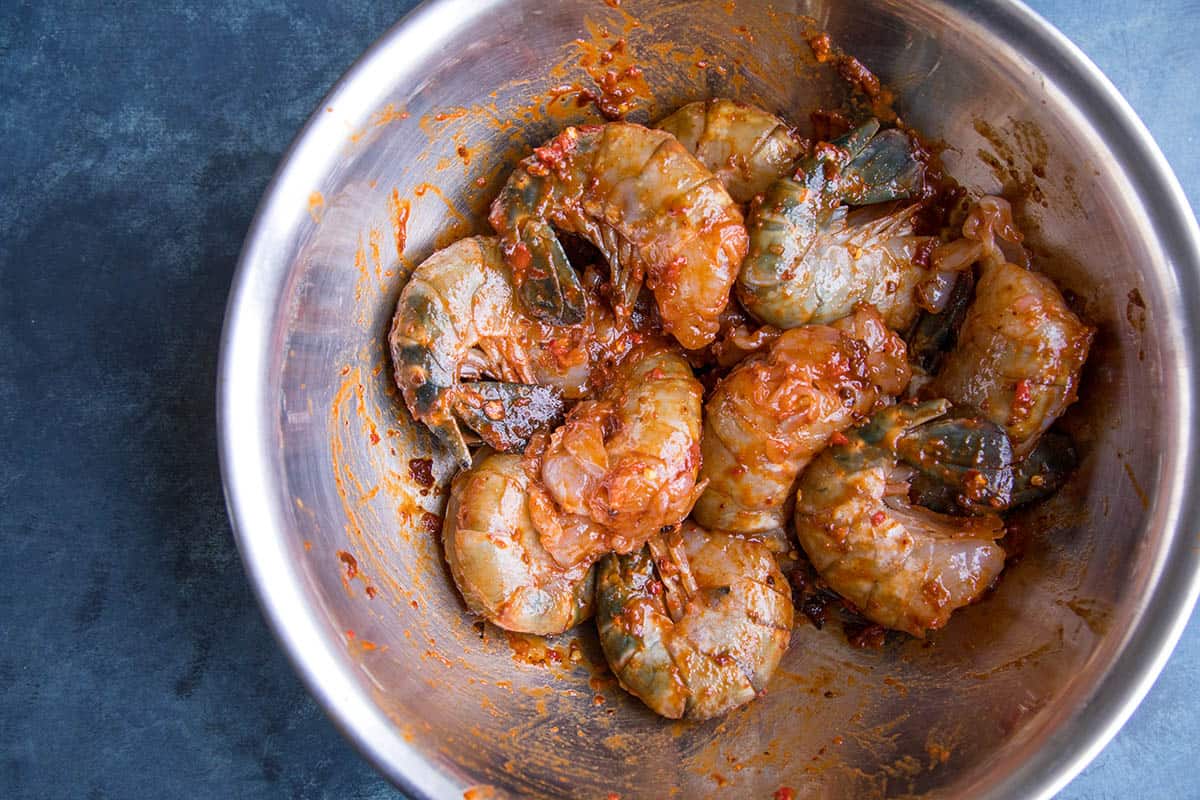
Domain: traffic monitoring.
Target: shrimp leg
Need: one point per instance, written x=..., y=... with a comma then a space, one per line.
x=506, y=415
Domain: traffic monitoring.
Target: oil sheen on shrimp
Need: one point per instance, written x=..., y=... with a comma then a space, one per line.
x=767, y=419
x=747, y=148
x=656, y=214
x=812, y=259
x=496, y=558
x=697, y=628
x=1020, y=350
x=902, y=566
x=458, y=318
x=622, y=466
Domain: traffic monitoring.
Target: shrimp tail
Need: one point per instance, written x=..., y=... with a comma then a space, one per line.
x=935, y=334
x=1045, y=470
x=549, y=287
x=961, y=463
x=884, y=169
x=868, y=167
x=451, y=436
x=886, y=428
x=547, y=284
x=967, y=463
x=855, y=141
x=506, y=415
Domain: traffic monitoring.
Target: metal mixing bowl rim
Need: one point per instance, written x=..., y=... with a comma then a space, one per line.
x=249, y=461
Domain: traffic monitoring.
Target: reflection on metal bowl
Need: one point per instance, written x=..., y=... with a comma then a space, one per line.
x=334, y=493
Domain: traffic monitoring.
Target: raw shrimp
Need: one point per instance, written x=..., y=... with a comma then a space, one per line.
x=654, y=212
x=811, y=259
x=902, y=566
x=497, y=559
x=747, y=148
x=1020, y=350
x=457, y=318
x=774, y=412
x=698, y=628
x=623, y=466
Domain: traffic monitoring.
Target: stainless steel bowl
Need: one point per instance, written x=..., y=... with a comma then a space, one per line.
x=1011, y=700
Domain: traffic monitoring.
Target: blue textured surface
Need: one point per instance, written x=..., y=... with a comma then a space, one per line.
x=137, y=139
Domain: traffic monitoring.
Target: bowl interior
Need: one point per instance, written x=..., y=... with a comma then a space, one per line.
x=404, y=160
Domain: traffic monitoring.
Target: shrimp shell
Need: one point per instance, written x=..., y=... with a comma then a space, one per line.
x=811, y=259
x=624, y=466
x=1019, y=355
x=868, y=255
x=458, y=317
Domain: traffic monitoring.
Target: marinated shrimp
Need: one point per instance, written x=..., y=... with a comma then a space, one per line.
x=1020, y=349
x=622, y=466
x=812, y=259
x=902, y=566
x=767, y=419
x=895, y=502
x=654, y=212
x=746, y=147
x=497, y=559
x=696, y=628
x=456, y=319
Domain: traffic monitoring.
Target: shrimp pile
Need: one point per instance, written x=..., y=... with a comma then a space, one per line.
x=771, y=363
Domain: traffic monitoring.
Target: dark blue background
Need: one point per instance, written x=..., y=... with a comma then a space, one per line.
x=135, y=141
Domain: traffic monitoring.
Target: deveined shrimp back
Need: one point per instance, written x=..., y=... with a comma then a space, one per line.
x=654, y=212
x=623, y=466
x=773, y=413
x=457, y=318
x=497, y=559
x=696, y=628
x=902, y=566
x=746, y=147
